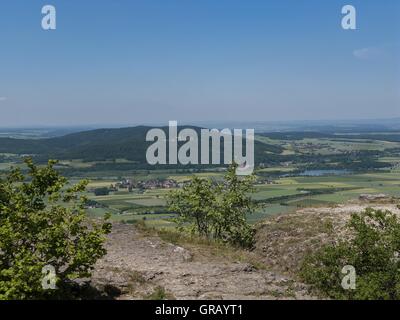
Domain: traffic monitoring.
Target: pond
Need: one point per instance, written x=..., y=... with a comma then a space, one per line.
x=330, y=172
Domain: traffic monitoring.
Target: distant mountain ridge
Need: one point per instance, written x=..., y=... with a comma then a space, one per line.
x=99, y=145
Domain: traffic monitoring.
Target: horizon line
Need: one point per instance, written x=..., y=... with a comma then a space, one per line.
x=196, y=122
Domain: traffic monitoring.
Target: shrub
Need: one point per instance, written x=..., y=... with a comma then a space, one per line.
x=373, y=249
x=43, y=223
x=103, y=191
x=216, y=210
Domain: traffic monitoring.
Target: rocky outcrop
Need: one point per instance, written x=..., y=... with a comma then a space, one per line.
x=283, y=241
x=138, y=265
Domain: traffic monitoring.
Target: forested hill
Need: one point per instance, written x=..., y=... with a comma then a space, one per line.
x=101, y=144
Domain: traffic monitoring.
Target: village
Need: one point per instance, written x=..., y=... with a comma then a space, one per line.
x=130, y=184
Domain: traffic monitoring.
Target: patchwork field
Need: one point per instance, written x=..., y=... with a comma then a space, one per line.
x=282, y=195
x=290, y=174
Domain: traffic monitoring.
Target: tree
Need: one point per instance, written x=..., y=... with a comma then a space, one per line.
x=103, y=191
x=43, y=223
x=373, y=249
x=195, y=206
x=234, y=205
x=216, y=210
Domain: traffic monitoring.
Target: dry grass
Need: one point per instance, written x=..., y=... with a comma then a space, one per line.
x=202, y=248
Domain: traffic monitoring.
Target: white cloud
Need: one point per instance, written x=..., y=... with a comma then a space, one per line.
x=3, y=99
x=370, y=53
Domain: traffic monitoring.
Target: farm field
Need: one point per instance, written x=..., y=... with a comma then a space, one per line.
x=282, y=196
x=296, y=170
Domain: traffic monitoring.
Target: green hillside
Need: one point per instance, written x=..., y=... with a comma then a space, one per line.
x=101, y=145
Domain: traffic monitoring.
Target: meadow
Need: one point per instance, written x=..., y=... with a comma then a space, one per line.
x=362, y=163
x=283, y=195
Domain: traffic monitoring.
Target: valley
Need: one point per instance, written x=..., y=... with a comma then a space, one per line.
x=307, y=184
x=294, y=169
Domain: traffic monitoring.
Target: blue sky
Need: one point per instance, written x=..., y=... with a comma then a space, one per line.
x=148, y=61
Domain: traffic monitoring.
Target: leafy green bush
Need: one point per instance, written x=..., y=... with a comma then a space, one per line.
x=103, y=191
x=373, y=249
x=216, y=210
x=43, y=223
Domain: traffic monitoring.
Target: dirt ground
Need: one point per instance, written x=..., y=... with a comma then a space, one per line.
x=140, y=265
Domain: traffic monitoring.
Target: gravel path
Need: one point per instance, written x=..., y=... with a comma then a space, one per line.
x=137, y=265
